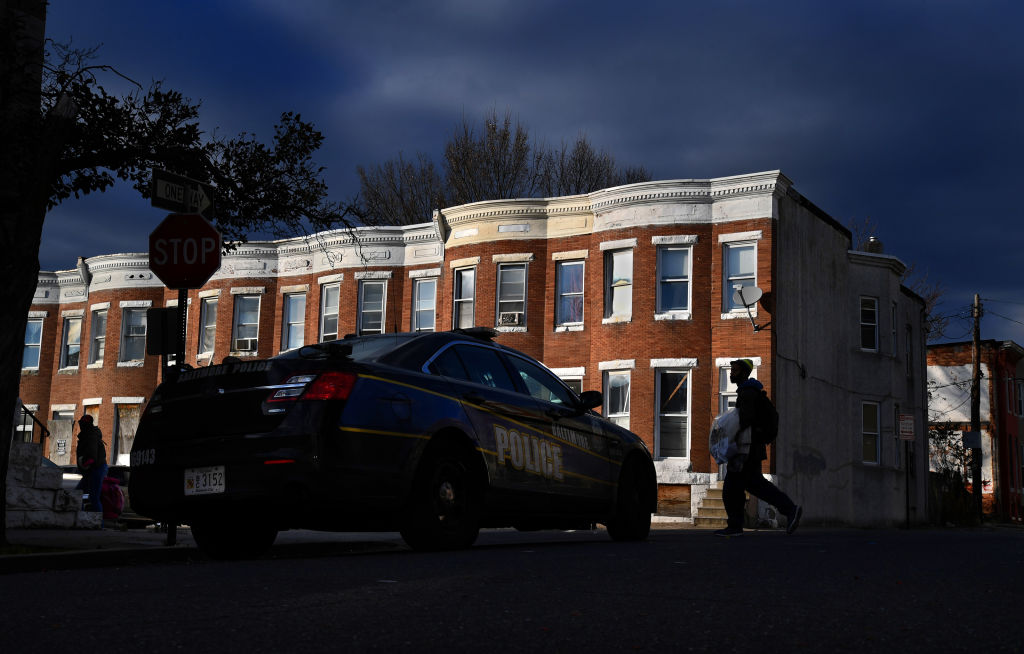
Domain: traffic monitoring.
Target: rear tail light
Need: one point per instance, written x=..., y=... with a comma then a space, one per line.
x=330, y=385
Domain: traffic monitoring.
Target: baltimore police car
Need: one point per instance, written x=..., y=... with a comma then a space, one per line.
x=435, y=435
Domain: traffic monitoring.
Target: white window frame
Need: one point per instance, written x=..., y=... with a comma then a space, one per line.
x=659, y=415
x=730, y=283
x=561, y=293
x=867, y=433
x=289, y=328
x=38, y=346
x=872, y=325
x=663, y=312
x=513, y=305
x=97, y=337
x=620, y=418
x=363, y=311
x=207, y=325
x=236, y=324
x=461, y=303
x=418, y=304
x=127, y=337
x=612, y=287
x=66, y=343
x=327, y=311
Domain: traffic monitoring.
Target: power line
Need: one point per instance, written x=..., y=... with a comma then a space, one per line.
x=988, y=299
x=1004, y=317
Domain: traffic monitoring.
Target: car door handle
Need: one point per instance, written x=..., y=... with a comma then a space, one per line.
x=554, y=414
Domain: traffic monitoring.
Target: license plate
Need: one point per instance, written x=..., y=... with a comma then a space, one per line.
x=204, y=481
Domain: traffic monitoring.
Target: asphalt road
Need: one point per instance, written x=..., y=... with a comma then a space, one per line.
x=682, y=590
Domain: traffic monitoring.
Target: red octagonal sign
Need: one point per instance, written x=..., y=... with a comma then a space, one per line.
x=184, y=250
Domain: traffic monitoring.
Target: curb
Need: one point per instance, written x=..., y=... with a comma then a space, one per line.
x=98, y=558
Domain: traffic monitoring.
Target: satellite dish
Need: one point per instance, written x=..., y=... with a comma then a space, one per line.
x=747, y=295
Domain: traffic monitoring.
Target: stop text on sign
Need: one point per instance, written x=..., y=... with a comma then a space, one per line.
x=188, y=251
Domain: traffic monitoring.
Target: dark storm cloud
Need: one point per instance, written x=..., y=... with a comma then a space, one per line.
x=903, y=111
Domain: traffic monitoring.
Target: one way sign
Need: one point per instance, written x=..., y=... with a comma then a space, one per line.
x=181, y=194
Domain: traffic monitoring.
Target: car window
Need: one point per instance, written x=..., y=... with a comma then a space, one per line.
x=540, y=383
x=449, y=364
x=483, y=366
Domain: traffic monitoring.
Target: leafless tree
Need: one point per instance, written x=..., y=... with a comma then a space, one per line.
x=493, y=164
x=400, y=192
x=582, y=169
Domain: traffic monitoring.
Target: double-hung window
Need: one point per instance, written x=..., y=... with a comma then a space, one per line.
x=616, y=396
x=464, y=298
x=673, y=279
x=618, y=279
x=133, y=334
x=207, y=325
x=371, y=306
x=293, y=332
x=870, y=431
x=511, y=295
x=33, y=343
x=97, y=336
x=869, y=324
x=71, y=343
x=569, y=303
x=424, y=295
x=726, y=391
x=672, y=393
x=740, y=268
x=246, y=326
x=329, y=296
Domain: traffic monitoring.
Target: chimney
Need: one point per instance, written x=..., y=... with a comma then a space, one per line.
x=874, y=246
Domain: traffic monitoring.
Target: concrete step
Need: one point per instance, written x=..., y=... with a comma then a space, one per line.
x=710, y=523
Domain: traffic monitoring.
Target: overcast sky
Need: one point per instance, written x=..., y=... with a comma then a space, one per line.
x=905, y=112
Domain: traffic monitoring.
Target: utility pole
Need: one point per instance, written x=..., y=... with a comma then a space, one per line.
x=976, y=408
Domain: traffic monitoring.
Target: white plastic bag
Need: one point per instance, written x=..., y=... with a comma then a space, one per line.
x=722, y=440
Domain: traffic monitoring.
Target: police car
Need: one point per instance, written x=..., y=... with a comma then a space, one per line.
x=435, y=435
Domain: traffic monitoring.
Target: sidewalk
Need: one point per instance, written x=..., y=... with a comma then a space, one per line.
x=89, y=548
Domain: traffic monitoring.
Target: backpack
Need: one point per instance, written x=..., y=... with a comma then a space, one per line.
x=766, y=427
x=112, y=498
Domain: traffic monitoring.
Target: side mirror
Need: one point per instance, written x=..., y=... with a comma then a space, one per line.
x=591, y=399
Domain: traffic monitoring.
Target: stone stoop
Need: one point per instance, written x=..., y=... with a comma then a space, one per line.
x=35, y=498
x=711, y=511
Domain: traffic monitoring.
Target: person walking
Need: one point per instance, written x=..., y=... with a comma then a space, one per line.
x=92, y=461
x=743, y=471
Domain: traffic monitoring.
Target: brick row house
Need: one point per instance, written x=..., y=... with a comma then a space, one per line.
x=1001, y=416
x=628, y=290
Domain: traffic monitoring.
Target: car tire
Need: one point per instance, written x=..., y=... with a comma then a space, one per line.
x=233, y=539
x=444, y=508
x=631, y=519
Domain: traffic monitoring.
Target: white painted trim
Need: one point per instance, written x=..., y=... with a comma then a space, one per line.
x=99, y=306
x=248, y=290
x=579, y=371
x=63, y=407
x=464, y=263
x=135, y=363
x=135, y=304
x=127, y=400
x=618, y=245
x=92, y=401
x=38, y=314
x=372, y=274
x=571, y=254
x=211, y=293
x=72, y=313
x=330, y=279
x=723, y=362
x=618, y=364
x=672, y=315
x=424, y=272
x=569, y=327
x=674, y=363
x=520, y=257
x=295, y=288
x=514, y=227
x=681, y=239
x=740, y=236
x=465, y=233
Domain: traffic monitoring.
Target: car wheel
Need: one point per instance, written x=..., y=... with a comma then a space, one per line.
x=631, y=519
x=444, y=508
x=233, y=539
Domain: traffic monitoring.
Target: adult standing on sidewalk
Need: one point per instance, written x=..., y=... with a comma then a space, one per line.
x=92, y=461
x=743, y=471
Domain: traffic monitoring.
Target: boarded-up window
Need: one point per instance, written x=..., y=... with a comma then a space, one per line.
x=127, y=423
x=61, y=441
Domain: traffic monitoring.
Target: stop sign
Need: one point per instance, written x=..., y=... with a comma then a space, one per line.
x=184, y=250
